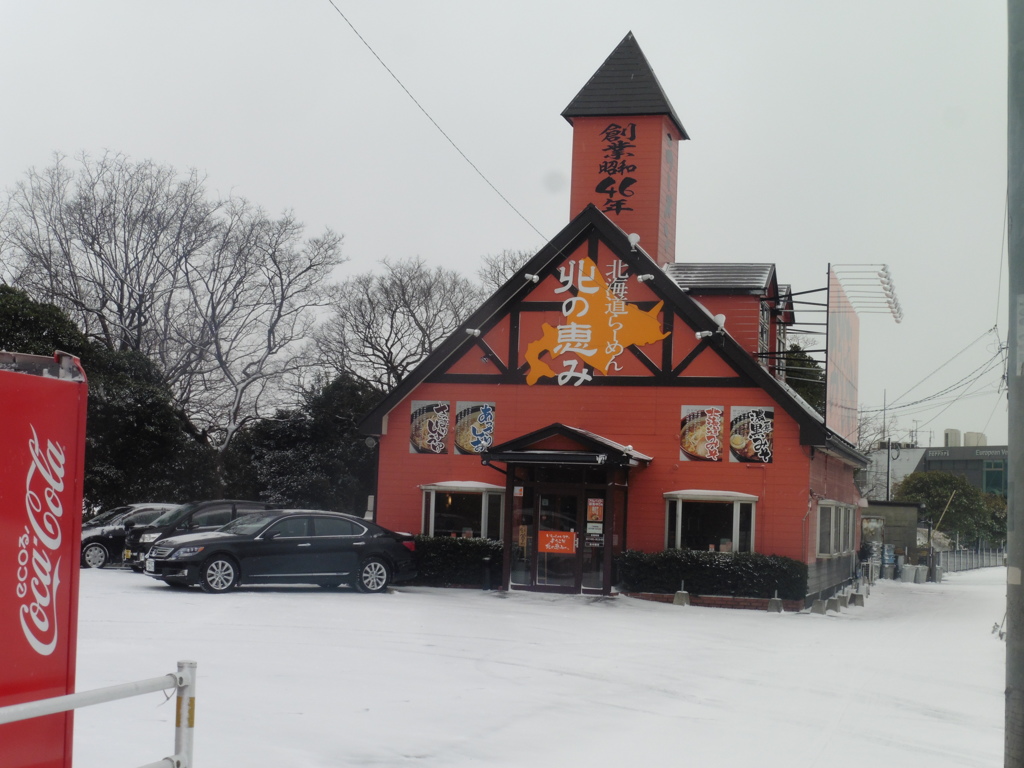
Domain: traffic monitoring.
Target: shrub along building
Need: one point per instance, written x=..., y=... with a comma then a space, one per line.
x=607, y=397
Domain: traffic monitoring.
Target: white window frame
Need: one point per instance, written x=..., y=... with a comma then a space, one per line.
x=781, y=350
x=723, y=497
x=842, y=518
x=764, y=330
x=485, y=490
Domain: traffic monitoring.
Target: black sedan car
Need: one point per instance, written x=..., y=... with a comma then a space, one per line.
x=286, y=547
x=103, y=542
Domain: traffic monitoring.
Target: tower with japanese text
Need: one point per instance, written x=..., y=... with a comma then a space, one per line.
x=625, y=150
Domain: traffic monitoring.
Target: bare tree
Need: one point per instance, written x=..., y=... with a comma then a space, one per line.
x=108, y=243
x=253, y=296
x=385, y=324
x=499, y=267
x=218, y=294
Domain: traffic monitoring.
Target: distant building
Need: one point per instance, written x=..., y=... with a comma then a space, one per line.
x=887, y=468
x=984, y=466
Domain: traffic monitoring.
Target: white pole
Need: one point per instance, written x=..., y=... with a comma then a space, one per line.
x=30, y=709
x=185, y=718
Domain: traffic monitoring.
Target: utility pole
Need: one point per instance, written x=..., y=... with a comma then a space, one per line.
x=1014, y=738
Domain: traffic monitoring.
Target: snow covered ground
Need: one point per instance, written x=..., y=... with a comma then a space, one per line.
x=432, y=677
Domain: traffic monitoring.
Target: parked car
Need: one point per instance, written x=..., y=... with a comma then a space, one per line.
x=104, y=544
x=286, y=547
x=187, y=518
x=107, y=517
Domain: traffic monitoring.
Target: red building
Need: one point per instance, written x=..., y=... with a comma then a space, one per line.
x=608, y=397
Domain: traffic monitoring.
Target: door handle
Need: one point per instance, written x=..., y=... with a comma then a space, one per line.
x=307, y=544
x=358, y=543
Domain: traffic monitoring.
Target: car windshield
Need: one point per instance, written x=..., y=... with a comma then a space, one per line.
x=143, y=516
x=249, y=524
x=105, y=517
x=171, y=516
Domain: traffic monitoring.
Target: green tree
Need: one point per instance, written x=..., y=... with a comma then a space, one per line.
x=806, y=376
x=37, y=329
x=971, y=514
x=312, y=456
x=139, y=447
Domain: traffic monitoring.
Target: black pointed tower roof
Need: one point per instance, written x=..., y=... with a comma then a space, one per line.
x=624, y=85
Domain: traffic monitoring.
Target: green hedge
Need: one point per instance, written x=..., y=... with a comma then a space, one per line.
x=448, y=562
x=713, y=573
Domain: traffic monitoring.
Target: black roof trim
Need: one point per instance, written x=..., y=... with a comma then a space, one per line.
x=623, y=85
x=844, y=451
x=596, y=449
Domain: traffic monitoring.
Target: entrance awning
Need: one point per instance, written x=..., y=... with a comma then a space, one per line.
x=551, y=445
x=697, y=494
x=462, y=486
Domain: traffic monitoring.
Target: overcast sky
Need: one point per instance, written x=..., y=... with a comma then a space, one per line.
x=821, y=132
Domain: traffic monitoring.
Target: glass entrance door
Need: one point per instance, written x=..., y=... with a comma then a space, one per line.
x=563, y=528
x=558, y=527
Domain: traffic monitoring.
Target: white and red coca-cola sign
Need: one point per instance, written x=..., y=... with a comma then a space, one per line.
x=42, y=407
x=39, y=547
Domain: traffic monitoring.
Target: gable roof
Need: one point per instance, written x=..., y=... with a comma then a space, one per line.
x=624, y=85
x=594, y=449
x=723, y=278
x=590, y=221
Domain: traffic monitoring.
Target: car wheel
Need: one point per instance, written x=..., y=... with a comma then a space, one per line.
x=95, y=555
x=374, y=576
x=219, y=574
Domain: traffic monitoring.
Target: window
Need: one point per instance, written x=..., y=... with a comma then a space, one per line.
x=763, y=330
x=835, y=529
x=709, y=524
x=462, y=512
x=825, y=513
x=994, y=477
x=335, y=526
x=211, y=517
x=781, y=350
x=289, y=528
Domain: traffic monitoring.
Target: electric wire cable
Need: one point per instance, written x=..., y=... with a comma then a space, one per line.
x=434, y=122
x=950, y=360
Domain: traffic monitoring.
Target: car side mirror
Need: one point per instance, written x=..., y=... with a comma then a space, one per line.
x=272, y=535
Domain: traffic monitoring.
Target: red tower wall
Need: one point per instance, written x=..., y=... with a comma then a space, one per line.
x=628, y=168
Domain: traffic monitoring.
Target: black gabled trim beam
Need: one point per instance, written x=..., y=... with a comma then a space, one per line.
x=592, y=226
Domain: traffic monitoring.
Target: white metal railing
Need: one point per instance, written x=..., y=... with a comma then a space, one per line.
x=185, y=708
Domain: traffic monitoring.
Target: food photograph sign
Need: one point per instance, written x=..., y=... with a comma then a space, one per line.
x=701, y=432
x=428, y=426
x=474, y=427
x=751, y=434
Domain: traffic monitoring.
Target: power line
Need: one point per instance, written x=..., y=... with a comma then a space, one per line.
x=432, y=120
x=954, y=357
x=967, y=381
x=955, y=400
